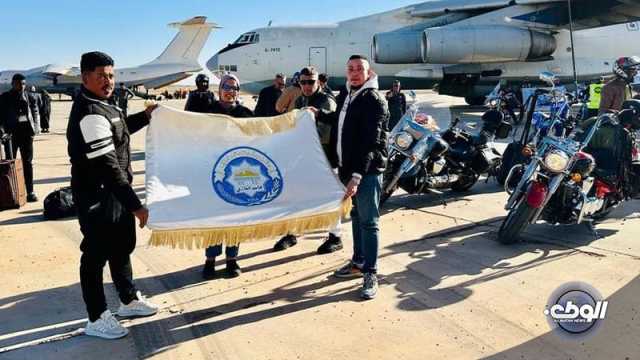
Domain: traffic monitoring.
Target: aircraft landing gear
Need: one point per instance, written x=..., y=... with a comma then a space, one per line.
x=474, y=100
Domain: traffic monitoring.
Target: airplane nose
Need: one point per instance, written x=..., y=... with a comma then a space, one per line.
x=212, y=64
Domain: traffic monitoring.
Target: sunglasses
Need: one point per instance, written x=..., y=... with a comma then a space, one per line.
x=307, y=82
x=227, y=87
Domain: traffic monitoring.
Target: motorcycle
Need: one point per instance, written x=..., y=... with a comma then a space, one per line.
x=506, y=102
x=423, y=159
x=565, y=110
x=559, y=186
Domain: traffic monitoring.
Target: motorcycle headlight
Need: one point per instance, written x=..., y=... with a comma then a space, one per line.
x=403, y=140
x=556, y=161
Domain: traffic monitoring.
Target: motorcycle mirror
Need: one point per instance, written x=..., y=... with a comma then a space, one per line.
x=548, y=77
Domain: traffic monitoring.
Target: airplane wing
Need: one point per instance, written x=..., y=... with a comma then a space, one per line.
x=544, y=13
x=435, y=8
x=52, y=71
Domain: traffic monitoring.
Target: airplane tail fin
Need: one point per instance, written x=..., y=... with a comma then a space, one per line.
x=188, y=43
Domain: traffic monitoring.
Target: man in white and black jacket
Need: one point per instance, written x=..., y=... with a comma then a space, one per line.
x=359, y=150
x=98, y=136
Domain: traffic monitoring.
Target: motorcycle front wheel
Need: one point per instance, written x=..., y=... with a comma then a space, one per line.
x=515, y=223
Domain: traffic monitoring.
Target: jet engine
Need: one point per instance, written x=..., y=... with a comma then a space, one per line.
x=486, y=44
x=463, y=45
x=399, y=47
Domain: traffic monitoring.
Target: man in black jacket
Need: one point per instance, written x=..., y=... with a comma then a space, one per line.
x=323, y=80
x=101, y=176
x=20, y=117
x=202, y=99
x=45, y=111
x=268, y=97
x=397, y=104
x=359, y=146
x=121, y=97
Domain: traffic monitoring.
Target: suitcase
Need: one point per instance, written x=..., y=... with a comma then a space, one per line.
x=13, y=192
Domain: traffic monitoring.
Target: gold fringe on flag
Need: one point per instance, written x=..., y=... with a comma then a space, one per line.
x=232, y=236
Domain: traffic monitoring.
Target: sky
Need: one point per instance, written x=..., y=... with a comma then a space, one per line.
x=38, y=32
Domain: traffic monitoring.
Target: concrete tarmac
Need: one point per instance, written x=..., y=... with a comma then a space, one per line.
x=448, y=290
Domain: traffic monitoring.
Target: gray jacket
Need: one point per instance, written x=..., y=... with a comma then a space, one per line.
x=324, y=102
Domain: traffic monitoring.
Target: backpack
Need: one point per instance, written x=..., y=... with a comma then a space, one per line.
x=59, y=204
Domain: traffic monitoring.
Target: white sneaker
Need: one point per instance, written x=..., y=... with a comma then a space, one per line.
x=369, y=287
x=139, y=307
x=106, y=327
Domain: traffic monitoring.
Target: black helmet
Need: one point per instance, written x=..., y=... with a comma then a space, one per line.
x=630, y=114
x=626, y=68
x=491, y=120
x=202, y=80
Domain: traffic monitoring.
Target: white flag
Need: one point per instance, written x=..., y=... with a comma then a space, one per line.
x=214, y=179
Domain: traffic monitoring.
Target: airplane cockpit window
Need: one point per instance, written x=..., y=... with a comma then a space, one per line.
x=248, y=38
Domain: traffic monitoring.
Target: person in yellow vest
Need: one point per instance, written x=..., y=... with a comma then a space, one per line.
x=595, y=90
x=616, y=91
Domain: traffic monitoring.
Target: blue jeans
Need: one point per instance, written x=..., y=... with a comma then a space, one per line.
x=364, y=221
x=213, y=251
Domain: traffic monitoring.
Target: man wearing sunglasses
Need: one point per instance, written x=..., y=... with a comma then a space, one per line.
x=227, y=105
x=269, y=96
x=314, y=96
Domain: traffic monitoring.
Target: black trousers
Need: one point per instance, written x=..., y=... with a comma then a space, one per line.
x=106, y=241
x=44, y=121
x=22, y=139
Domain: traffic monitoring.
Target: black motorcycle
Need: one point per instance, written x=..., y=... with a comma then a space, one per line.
x=561, y=183
x=422, y=158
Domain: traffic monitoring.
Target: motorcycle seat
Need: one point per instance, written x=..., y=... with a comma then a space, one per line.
x=610, y=176
x=459, y=152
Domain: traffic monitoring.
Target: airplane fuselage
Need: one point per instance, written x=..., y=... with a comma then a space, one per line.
x=327, y=47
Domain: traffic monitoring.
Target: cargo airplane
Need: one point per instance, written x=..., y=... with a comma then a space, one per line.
x=177, y=62
x=463, y=46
